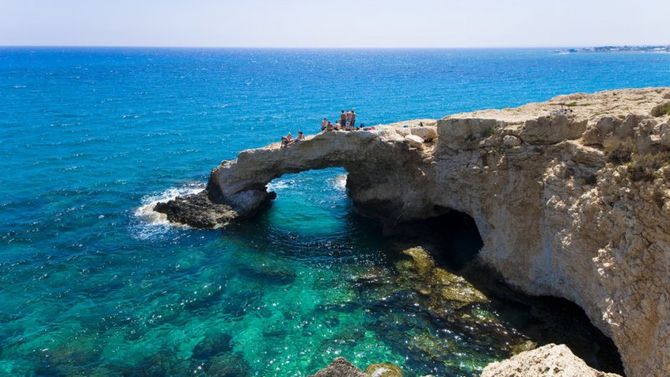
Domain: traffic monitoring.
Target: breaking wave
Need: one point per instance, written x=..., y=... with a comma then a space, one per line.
x=152, y=223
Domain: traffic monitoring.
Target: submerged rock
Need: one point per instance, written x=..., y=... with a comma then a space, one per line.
x=228, y=365
x=550, y=360
x=270, y=273
x=213, y=343
x=340, y=367
x=443, y=289
x=383, y=370
x=420, y=261
x=523, y=347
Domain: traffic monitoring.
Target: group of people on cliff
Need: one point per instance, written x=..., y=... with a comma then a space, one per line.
x=347, y=122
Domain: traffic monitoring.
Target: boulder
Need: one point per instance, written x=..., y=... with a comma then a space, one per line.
x=198, y=211
x=414, y=141
x=511, y=141
x=428, y=134
x=403, y=131
x=548, y=361
x=663, y=132
x=340, y=367
x=383, y=370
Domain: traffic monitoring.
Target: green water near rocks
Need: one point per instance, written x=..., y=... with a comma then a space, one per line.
x=283, y=294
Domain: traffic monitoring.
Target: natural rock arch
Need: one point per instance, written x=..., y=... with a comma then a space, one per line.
x=379, y=166
x=558, y=212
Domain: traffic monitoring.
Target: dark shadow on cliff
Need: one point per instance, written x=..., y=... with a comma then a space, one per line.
x=454, y=241
x=453, y=238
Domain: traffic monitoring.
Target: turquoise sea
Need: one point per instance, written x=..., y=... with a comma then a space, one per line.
x=91, y=285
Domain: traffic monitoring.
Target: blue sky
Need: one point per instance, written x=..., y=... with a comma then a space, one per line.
x=336, y=23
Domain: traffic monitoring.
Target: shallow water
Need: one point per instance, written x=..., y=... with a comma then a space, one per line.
x=89, y=283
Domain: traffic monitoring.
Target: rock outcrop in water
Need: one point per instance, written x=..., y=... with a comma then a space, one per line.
x=340, y=367
x=571, y=198
x=549, y=360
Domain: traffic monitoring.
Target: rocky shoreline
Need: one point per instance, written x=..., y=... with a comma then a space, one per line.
x=550, y=360
x=571, y=198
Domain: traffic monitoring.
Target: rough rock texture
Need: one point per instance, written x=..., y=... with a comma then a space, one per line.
x=383, y=370
x=548, y=361
x=570, y=196
x=340, y=367
x=197, y=210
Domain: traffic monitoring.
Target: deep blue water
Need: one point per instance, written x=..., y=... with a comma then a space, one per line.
x=88, y=136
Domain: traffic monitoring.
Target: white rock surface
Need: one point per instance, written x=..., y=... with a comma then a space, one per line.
x=414, y=141
x=428, y=134
x=548, y=361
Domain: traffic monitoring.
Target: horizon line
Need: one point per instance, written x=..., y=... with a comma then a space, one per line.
x=328, y=48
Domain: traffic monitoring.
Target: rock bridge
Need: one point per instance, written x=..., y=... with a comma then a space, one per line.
x=571, y=199
x=380, y=163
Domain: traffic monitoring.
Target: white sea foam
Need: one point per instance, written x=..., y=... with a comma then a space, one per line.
x=280, y=184
x=154, y=223
x=339, y=182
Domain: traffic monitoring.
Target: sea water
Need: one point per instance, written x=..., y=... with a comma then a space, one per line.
x=92, y=282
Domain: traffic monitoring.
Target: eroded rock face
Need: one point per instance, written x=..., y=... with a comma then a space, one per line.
x=197, y=211
x=570, y=197
x=548, y=361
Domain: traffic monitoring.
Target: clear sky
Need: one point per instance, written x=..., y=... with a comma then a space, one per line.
x=335, y=23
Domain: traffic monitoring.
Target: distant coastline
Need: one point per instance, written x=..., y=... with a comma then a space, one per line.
x=555, y=49
x=647, y=49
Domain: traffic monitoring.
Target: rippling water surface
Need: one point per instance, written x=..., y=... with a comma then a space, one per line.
x=91, y=283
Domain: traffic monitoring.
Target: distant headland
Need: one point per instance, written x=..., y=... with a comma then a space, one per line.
x=649, y=49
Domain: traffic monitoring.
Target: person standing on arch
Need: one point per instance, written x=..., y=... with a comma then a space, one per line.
x=347, y=116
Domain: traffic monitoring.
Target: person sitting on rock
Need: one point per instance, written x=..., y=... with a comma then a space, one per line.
x=353, y=119
x=301, y=137
x=330, y=126
x=286, y=140
x=324, y=124
x=343, y=119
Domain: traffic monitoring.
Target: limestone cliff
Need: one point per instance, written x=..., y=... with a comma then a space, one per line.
x=570, y=197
